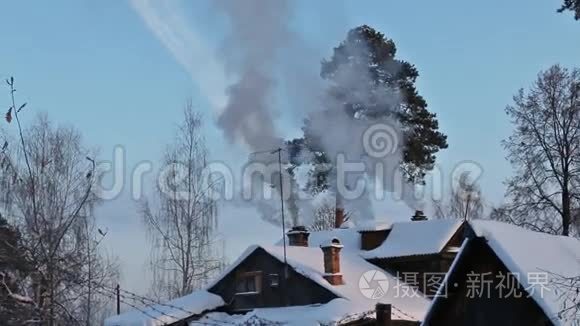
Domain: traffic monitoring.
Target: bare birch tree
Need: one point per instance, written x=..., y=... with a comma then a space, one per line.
x=324, y=217
x=465, y=202
x=544, y=150
x=185, y=251
x=51, y=194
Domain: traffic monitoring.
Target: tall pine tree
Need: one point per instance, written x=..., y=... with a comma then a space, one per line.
x=362, y=71
x=571, y=5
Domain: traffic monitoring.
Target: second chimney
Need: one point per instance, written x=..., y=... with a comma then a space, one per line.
x=331, y=252
x=338, y=212
x=383, y=312
x=338, y=217
x=298, y=236
x=419, y=216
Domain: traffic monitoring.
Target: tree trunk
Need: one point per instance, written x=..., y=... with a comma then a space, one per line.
x=566, y=211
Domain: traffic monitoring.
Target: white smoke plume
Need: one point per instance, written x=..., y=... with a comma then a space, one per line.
x=246, y=75
x=258, y=30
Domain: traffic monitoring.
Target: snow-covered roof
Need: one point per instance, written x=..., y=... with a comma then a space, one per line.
x=406, y=238
x=309, y=262
x=415, y=238
x=172, y=311
x=373, y=225
x=523, y=251
x=331, y=313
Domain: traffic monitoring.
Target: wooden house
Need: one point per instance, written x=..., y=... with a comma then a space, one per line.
x=506, y=275
x=360, y=276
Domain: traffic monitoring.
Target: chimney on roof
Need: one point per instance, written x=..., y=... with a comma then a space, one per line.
x=331, y=251
x=298, y=236
x=338, y=212
x=419, y=216
x=383, y=312
x=338, y=217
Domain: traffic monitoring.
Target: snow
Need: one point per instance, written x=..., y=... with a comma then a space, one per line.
x=373, y=225
x=524, y=251
x=309, y=262
x=311, y=315
x=415, y=238
x=21, y=298
x=431, y=237
x=162, y=314
x=333, y=242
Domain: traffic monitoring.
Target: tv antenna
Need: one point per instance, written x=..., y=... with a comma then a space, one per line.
x=279, y=152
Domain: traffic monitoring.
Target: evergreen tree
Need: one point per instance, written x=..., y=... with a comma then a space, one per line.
x=571, y=5
x=368, y=82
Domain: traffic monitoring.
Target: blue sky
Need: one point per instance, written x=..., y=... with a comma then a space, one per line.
x=98, y=66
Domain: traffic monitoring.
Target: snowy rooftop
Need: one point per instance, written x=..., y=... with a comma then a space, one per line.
x=309, y=262
x=331, y=313
x=512, y=244
x=415, y=238
x=524, y=251
x=373, y=225
x=172, y=311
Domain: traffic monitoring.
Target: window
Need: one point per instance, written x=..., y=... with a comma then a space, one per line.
x=274, y=280
x=249, y=282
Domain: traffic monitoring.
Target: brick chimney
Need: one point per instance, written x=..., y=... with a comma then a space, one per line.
x=383, y=312
x=331, y=252
x=298, y=236
x=419, y=216
x=338, y=212
x=338, y=217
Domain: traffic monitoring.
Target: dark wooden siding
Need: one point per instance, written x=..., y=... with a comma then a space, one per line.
x=299, y=290
x=372, y=239
x=423, y=266
x=458, y=308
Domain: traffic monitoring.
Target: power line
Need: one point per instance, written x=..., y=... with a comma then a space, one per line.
x=110, y=295
x=150, y=304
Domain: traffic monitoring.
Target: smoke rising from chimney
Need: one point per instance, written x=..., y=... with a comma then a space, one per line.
x=260, y=59
x=258, y=31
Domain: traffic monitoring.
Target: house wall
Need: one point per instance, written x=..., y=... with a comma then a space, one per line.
x=459, y=307
x=416, y=270
x=299, y=290
x=372, y=239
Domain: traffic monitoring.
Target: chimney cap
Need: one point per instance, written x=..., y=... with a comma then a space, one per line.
x=298, y=229
x=419, y=216
x=334, y=242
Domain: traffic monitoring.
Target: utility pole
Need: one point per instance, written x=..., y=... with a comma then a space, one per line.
x=285, y=271
x=279, y=150
x=285, y=276
x=89, y=267
x=118, y=290
x=89, y=285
